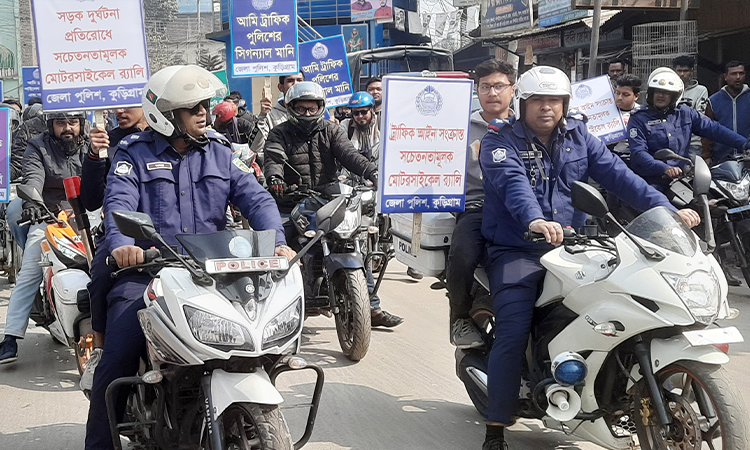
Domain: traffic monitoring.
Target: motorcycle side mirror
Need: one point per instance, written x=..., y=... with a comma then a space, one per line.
x=587, y=199
x=29, y=193
x=331, y=214
x=666, y=154
x=135, y=225
x=276, y=154
x=701, y=176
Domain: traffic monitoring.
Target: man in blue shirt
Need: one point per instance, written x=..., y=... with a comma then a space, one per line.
x=667, y=124
x=731, y=108
x=529, y=163
x=183, y=176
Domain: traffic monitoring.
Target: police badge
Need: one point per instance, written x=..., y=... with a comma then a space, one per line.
x=123, y=168
x=319, y=51
x=498, y=155
x=429, y=101
x=262, y=5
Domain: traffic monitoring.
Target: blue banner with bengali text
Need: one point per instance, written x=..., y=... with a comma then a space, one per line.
x=324, y=62
x=32, y=83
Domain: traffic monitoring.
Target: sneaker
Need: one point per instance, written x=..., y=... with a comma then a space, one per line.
x=385, y=319
x=414, y=274
x=465, y=335
x=87, y=379
x=495, y=444
x=9, y=350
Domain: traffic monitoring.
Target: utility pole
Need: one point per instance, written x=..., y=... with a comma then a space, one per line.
x=683, y=10
x=594, y=49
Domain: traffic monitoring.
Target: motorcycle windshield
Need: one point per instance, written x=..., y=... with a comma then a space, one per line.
x=228, y=244
x=664, y=228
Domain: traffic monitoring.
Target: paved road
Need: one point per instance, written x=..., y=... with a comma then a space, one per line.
x=403, y=395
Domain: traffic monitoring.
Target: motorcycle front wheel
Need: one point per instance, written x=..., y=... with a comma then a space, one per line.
x=706, y=409
x=248, y=426
x=353, y=320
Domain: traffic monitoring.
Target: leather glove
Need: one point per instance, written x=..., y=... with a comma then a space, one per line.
x=278, y=187
x=32, y=213
x=374, y=178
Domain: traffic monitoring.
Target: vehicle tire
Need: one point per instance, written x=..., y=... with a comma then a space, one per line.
x=353, y=324
x=248, y=426
x=705, y=406
x=85, y=344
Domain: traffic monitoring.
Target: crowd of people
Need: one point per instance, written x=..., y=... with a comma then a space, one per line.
x=183, y=163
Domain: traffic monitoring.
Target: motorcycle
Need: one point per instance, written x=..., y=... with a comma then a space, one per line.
x=62, y=304
x=11, y=254
x=221, y=324
x=334, y=271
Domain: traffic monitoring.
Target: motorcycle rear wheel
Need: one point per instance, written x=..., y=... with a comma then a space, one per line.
x=353, y=320
x=248, y=426
x=705, y=406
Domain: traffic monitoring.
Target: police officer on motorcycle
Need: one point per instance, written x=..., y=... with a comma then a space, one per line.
x=666, y=123
x=51, y=157
x=183, y=176
x=529, y=163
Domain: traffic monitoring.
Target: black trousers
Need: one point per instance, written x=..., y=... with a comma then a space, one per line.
x=466, y=253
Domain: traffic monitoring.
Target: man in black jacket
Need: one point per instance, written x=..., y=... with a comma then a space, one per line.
x=51, y=157
x=314, y=147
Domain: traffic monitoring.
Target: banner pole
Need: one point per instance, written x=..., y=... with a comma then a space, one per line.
x=594, y=49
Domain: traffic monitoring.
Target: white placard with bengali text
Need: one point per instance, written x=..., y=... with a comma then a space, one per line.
x=424, y=141
x=595, y=98
x=92, y=54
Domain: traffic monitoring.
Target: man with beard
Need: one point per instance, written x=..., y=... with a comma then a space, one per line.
x=375, y=88
x=362, y=130
x=361, y=5
x=51, y=157
x=385, y=11
x=93, y=184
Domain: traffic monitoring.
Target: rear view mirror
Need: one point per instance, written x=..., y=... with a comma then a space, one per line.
x=701, y=177
x=587, y=199
x=135, y=225
x=331, y=214
x=29, y=193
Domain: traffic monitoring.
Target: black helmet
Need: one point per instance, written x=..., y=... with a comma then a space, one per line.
x=15, y=118
x=32, y=111
x=306, y=90
x=54, y=115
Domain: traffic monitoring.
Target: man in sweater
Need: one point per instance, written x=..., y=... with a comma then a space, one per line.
x=695, y=96
x=731, y=108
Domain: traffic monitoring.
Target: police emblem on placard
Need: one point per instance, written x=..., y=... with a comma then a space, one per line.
x=498, y=155
x=583, y=91
x=429, y=101
x=262, y=5
x=319, y=51
x=123, y=168
x=240, y=247
x=633, y=132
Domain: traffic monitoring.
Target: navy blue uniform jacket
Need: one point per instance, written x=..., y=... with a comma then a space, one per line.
x=510, y=200
x=183, y=194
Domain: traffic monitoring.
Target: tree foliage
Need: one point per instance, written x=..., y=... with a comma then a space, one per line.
x=158, y=14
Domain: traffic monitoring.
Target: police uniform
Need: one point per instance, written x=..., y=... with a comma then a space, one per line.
x=650, y=130
x=523, y=182
x=182, y=194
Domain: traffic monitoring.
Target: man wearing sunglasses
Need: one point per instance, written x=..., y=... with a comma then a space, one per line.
x=183, y=175
x=51, y=157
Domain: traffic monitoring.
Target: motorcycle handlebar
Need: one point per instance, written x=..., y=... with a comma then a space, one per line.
x=149, y=255
x=569, y=236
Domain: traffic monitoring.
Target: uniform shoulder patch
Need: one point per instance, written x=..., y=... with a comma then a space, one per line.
x=499, y=155
x=123, y=168
x=240, y=165
x=633, y=132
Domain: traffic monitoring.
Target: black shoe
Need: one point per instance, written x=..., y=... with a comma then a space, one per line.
x=385, y=319
x=9, y=350
x=414, y=274
x=495, y=444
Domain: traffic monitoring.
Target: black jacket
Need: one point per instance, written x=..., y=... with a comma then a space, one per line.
x=315, y=156
x=46, y=165
x=95, y=170
x=239, y=136
x=28, y=129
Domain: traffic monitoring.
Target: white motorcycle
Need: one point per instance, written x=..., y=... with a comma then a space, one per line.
x=220, y=324
x=625, y=350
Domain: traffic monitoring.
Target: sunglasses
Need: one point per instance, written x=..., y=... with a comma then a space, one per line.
x=195, y=110
x=360, y=113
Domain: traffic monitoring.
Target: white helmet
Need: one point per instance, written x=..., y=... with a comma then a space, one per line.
x=177, y=87
x=542, y=80
x=665, y=79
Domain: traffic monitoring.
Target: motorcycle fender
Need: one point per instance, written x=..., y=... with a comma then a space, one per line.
x=667, y=351
x=255, y=387
x=336, y=261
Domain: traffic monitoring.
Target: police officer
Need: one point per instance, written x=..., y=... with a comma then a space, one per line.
x=665, y=123
x=183, y=176
x=529, y=163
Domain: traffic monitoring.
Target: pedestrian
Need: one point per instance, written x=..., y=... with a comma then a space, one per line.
x=615, y=70
x=731, y=108
x=694, y=96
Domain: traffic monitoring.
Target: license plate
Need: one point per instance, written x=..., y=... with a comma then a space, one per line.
x=728, y=335
x=237, y=265
x=740, y=209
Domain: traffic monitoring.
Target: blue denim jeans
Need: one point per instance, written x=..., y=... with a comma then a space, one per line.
x=13, y=215
x=27, y=283
x=375, y=300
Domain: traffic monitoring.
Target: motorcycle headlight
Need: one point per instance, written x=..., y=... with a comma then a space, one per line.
x=284, y=325
x=349, y=225
x=218, y=332
x=699, y=291
x=739, y=191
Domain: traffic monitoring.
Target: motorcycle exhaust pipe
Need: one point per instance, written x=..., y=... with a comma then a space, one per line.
x=564, y=403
